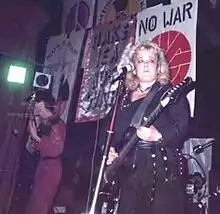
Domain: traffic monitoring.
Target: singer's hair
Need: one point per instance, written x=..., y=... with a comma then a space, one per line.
x=131, y=81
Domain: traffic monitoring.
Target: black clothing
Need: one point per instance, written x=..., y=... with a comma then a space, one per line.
x=155, y=186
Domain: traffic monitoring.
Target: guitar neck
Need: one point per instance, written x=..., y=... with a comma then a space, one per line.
x=128, y=147
x=147, y=121
x=111, y=169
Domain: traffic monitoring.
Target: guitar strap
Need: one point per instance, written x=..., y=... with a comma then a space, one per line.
x=137, y=118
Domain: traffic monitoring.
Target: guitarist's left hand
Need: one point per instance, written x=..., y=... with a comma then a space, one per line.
x=150, y=134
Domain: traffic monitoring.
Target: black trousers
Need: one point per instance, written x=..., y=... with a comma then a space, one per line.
x=137, y=193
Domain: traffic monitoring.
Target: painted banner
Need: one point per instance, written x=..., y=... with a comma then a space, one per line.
x=173, y=27
x=104, y=47
x=62, y=58
x=110, y=10
x=77, y=15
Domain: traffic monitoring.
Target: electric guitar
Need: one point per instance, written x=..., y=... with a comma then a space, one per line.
x=170, y=96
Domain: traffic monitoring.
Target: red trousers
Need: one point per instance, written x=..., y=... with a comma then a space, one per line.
x=46, y=181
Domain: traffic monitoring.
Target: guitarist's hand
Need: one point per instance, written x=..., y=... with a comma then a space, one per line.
x=33, y=131
x=112, y=155
x=149, y=134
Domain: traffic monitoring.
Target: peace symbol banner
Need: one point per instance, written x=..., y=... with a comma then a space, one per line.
x=173, y=28
x=77, y=15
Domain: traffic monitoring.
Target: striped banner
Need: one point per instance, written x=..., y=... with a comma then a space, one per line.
x=105, y=46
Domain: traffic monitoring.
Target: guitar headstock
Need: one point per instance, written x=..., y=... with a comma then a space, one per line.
x=173, y=93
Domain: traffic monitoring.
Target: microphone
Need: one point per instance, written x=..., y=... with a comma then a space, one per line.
x=125, y=68
x=123, y=71
x=31, y=97
x=200, y=148
x=15, y=132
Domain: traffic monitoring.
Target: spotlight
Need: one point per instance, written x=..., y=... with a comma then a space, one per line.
x=16, y=74
x=42, y=80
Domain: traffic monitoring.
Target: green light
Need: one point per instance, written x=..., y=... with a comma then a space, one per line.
x=16, y=74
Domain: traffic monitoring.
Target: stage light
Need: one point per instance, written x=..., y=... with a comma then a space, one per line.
x=16, y=74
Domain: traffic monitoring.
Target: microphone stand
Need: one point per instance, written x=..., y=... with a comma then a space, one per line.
x=110, y=133
x=32, y=117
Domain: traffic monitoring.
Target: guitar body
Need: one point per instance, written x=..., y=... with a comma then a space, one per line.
x=42, y=130
x=123, y=164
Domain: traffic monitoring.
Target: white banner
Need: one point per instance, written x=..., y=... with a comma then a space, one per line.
x=63, y=56
x=77, y=15
x=173, y=27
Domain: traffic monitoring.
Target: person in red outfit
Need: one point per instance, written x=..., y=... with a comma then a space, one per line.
x=49, y=138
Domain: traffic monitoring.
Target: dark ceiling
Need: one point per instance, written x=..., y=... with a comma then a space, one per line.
x=54, y=10
x=49, y=5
